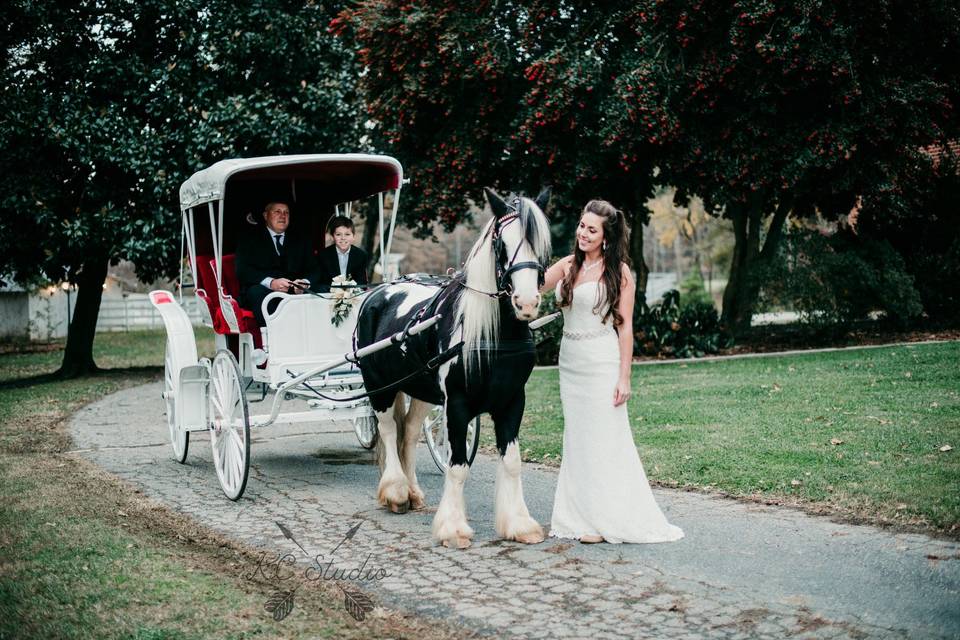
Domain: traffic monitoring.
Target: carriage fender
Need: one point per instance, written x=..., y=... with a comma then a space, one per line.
x=190, y=377
x=180, y=337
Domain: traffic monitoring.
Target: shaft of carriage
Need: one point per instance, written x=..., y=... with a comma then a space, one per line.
x=355, y=356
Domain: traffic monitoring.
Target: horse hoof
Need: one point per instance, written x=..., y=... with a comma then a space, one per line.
x=460, y=543
x=530, y=538
x=417, y=504
x=402, y=507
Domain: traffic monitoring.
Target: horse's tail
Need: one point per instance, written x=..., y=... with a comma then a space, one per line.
x=399, y=419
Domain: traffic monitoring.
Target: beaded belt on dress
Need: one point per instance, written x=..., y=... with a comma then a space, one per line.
x=586, y=335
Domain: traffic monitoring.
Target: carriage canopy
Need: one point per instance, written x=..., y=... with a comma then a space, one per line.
x=341, y=177
x=223, y=202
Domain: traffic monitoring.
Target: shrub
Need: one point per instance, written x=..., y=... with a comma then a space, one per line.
x=547, y=338
x=670, y=328
x=839, y=278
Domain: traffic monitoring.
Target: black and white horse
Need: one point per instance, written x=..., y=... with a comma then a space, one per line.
x=485, y=309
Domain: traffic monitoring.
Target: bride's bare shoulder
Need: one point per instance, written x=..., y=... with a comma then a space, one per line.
x=626, y=273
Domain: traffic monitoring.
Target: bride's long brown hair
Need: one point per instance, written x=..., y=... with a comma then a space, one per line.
x=614, y=253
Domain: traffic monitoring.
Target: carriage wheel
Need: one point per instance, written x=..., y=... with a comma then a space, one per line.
x=229, y=425
x=179, y=437
x=435, y=431
x=366, y=429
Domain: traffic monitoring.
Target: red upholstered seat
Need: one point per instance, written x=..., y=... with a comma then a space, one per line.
x=229, y=293
x=206, y=287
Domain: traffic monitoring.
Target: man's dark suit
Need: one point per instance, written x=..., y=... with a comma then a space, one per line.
x=257, y=259
x=357, y=261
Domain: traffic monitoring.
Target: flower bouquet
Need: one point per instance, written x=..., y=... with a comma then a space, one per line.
x=344, y=297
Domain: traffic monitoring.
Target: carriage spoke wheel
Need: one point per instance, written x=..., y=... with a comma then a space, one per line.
x=229, y=425
x=179, y=437
x=435, y=432
x=366, y=430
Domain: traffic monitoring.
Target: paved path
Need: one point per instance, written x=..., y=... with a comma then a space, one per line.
x=743, y=571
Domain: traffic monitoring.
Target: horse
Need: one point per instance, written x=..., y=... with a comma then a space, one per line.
x=476, y=359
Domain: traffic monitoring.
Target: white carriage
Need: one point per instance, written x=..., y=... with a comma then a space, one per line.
x=300, y=353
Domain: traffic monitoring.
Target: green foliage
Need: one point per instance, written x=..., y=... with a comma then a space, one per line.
x=838, y=278
x=548, y=337
x=669, y=328
x=693, y=291
x=937, y=277
x=109, y=105
x=755, y=102
x=922, y=222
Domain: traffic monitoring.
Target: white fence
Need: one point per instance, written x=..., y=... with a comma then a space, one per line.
x=134, y=312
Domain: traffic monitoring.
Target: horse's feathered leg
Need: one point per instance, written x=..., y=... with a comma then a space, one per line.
x=413, y=423
x=513, y=520
x=393, y=491
x=450, y=525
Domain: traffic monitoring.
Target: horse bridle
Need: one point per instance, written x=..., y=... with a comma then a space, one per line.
x=504, y=285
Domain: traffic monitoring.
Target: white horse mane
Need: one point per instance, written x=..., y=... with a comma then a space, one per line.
x=480, y=314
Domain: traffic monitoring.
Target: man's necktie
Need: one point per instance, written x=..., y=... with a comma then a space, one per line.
x=276, y=239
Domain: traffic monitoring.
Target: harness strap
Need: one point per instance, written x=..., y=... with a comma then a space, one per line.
x=431, y=365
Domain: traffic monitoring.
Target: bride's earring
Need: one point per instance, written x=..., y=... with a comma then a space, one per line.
x=604, y=247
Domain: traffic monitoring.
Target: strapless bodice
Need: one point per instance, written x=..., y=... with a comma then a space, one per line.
x=580, y=321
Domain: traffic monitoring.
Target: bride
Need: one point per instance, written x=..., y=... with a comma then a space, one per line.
x=602, y=491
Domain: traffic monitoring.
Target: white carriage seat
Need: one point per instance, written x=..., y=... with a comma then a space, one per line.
x=301, y=336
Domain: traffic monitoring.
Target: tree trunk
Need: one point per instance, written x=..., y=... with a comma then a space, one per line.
x=743, y=288
x=78, y=355
x=636, y=257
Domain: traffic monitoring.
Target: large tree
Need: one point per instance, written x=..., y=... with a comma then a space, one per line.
x=772, y=109
x=508, y=94
x=108, y=105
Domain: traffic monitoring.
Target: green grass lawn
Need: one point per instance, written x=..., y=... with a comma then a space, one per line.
x=858, y=432
x=83, y=555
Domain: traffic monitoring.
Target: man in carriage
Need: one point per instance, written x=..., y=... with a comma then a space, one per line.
x=270, y=259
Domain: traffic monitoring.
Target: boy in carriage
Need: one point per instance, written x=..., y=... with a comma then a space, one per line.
x=342, y=258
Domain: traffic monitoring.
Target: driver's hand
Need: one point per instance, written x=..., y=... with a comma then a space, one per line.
x=281, y=284
x=301, y=285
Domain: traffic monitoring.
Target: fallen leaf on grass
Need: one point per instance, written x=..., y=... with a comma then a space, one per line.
x=873, y=462
x=795, y=483
x=908, y=375
x=121, y=514
x=946, y=448
x=836, y=441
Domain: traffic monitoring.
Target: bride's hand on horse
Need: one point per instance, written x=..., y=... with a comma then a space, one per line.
x=622, y=392
x=555, y=273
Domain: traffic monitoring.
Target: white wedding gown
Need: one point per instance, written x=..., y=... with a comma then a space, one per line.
x=602, y=488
